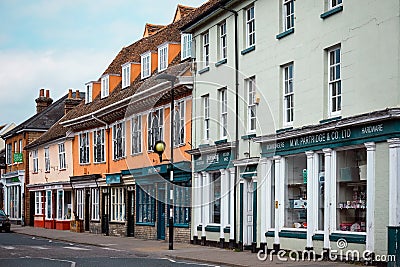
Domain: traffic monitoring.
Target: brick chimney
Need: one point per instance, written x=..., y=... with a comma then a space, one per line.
x=72, y=101
x=42, y=102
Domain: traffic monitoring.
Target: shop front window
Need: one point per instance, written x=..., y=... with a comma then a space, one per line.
x=215, y=197
x=14, y=197
x=49, y=207
x=296, y=192
x=351, y=186
x=145, y=204
x=321, y=191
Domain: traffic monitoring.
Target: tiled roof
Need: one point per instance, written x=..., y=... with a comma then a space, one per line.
x=151, y=29
x=131, y=53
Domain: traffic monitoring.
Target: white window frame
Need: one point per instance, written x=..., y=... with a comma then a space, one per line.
x=61, y=156
x=223, y=41
x=223, y=98
x=288, y=94
x=250, y=27
x=116, y=126
x=20, y=145
x=334, y=82
x=95, y=200
x=85, y=147
x=80, y=203
x=206, y=115
x=126, y=75
x=206, y=48
x=38, y=203
x=60, y=204
x=9, y=154
x=35, y=159
x=49, y=205
x=102, y=145
x=145, y=65
x=162, y=57
x=186, y=45
x=117, y=204
x=179, y=123
x=151, y=134
x=46, y=159
x=89, y=93
x=105, y=86
x=288, y=16
x=251, y=104
x=136, y=135
x=335, y=3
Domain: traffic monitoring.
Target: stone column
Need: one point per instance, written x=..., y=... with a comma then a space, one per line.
x=310, y=198
x=195, y=206
x=327, y=185
x=394, y=184
x=222, y=208
x=370, y=240
x=232, y=207
x=278, y=199
x=263, y=201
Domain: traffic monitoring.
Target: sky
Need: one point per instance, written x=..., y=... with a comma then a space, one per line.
x=62, y=44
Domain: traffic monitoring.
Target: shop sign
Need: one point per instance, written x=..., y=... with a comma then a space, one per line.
x=338, y=136
x=18, y=157
x=214, y=161
x=113, y=178
x=15, y=180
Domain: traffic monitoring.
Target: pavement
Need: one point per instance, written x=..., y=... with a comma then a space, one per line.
x=159, y=249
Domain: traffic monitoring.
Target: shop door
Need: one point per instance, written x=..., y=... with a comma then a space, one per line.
x=161, y=215
x=248, y=213
x=104, y=214
x=131, y=213
x=32, y=208
x=87, y=209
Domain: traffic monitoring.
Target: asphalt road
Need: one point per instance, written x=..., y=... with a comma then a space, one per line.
x=21, y=250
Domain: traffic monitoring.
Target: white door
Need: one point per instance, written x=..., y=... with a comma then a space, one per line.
x=248, y=212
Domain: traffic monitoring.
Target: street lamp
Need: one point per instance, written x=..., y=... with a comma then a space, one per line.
x=160, y=146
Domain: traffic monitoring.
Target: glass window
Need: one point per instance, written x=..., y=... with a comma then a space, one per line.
x=20, y=145
x=251, y=30
x=89, y=93
x=61, y=156
x=224, y=113
x=335, y=82
x=126, y=75
x=296, y=192
x=9, y=154
x=105, y=86
x=321, y=191
x=35, y=161
x=117, y=204
x=119, y=140
x=46, y=159
x=179, y=123
x=288, y=14
x=49, y=205
x=60, y=204
x=215, y=197
x=288, y=94
x=95, y=204
x=206, y=114
x=145, y=204
x=162, y=57
x=206, y=49
x=38, y=203
x=155, y=122
x=251, y=104
x=146, y=65
x=136, y=134
x=80, y=204
x=334, y=3
x=186, y=45
x=182, y=203
x=99, y=145
x=14, y=195
x=351, y=190
x=84, y=148
x=223, y=40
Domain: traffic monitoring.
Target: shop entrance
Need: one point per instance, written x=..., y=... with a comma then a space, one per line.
x=248, y=198
x=161, y=214
x=131, y=213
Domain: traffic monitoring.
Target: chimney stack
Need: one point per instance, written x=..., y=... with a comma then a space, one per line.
x=42, y=102
x=71, y=101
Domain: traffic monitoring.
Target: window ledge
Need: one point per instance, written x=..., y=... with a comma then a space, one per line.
x=330, y=119
x=145, y=224
x=219, y=142
x=136, y=154
x=204, y=70
x=221, y=62
x=97, y=163
x=283, y=130
x=63, y=169
x=285, y=33
x=248, y=136
x=248, y=50
x=331, y=12
x=84, y=164
x=117, y=222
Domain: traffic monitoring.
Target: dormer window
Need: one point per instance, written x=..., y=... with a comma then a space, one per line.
x=105, y=86
x=146, y=65
x=162, y=57
x=186, y=45
x=89, y=93
x=126, y=75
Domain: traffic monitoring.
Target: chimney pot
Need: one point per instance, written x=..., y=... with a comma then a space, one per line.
x=41, y=93
x=70, y=93
x=47, y=93
x=77, y=95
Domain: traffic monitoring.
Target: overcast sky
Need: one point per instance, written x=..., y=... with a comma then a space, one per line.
x=58, y=45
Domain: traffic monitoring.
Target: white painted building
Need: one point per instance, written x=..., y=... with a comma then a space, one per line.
x=315, y=109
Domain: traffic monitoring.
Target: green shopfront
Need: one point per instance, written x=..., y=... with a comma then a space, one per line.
x=332, y=181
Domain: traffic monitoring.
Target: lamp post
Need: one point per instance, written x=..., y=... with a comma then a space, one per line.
x=160, y=147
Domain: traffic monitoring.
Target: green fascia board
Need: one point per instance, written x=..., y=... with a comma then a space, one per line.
x=293, y=234
x=270, y=234
x=319, y=237
x=350, y=238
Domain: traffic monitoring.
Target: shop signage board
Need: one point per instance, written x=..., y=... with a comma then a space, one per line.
x=212, y=161
x=113, y=178
x=18, y=157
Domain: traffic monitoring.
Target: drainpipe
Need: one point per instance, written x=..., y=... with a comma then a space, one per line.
x=236, y=155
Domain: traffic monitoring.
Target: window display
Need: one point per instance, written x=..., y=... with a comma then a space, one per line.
x=351, y=190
